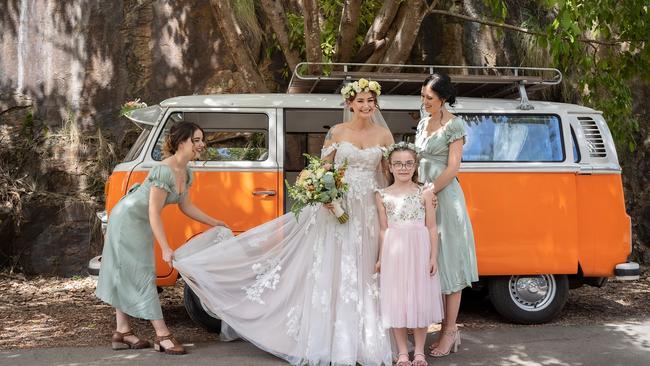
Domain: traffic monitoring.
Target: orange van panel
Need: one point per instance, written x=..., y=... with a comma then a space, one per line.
x=117, y=184
x=604, y=226
x=524, y=223
x=227, y=196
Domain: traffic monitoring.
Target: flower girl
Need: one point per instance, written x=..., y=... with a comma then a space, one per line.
x=410, y=294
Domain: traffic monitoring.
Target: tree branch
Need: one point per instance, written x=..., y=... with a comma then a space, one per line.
x=312, y=34
x=377, y=31
x=236, y=41
x=347, y=30
x=430, y=10
x=407, y=23
x=275, y=13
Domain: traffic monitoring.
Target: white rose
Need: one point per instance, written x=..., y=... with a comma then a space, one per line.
x=363, y=83
x=374, y=86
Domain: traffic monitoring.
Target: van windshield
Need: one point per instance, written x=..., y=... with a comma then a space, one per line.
x=136, y=149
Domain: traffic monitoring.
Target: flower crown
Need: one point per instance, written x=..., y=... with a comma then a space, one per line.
x=401, y=145
x=362, y=85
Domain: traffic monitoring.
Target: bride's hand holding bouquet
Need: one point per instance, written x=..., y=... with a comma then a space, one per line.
x=319, y=183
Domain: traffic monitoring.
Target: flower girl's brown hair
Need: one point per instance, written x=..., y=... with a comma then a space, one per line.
x=401, y=146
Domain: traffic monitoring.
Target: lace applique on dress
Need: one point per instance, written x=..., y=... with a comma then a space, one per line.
x=267, y=278
x=403, y=208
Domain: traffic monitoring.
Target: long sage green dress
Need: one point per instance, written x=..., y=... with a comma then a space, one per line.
x=127, y=277
x=456, y=252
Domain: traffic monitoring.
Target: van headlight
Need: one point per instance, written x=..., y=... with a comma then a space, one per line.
x=103, y=218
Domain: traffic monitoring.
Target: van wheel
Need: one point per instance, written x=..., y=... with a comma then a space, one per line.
x=529, y=299
x=198, y=314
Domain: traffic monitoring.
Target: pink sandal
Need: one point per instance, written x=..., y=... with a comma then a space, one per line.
x=422, y=361
x=402, y=362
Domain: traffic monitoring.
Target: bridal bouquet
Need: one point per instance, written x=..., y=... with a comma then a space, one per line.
x=319, y=183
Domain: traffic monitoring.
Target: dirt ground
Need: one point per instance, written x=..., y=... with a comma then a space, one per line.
x=50, y=312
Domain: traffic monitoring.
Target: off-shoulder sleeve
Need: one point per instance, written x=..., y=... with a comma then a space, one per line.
x=325, y=151
x=455, y=130
x=161, y=176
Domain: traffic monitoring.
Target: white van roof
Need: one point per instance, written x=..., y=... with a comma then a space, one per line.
x=334, y=101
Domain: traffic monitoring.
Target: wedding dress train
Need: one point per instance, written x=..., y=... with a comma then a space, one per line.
x=303, y=289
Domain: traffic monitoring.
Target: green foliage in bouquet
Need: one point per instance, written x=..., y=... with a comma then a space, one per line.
x=318, y=183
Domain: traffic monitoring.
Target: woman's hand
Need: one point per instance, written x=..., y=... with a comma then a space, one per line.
x=429, y=193
x=433, y=267
x=378, y=267
x=329, y=206
x=168, y=255
x=327, y=166
x=221, y=223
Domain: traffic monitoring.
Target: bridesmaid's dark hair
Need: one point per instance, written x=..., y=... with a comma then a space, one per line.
x=441, y=85
x=178, y=133
x=414, y=178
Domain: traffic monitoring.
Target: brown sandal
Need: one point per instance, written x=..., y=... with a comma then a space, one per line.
x=177, y=349
x=118, y=342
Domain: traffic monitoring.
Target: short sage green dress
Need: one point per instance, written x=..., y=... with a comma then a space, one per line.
x=456, y=252
x=127, y=277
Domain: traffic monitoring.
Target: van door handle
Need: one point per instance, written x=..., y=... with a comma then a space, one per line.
x=264, y=193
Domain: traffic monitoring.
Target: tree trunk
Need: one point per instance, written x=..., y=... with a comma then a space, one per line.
x=382, y=22
x=312, y=34
x=374, y=46
x=275, y=13
x=407, y=24
x=236, y=41
x=347, y=30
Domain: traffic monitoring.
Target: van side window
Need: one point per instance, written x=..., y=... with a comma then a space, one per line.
x=229, y=136
x=513, y=138
x=576, y=151
x=136, y=149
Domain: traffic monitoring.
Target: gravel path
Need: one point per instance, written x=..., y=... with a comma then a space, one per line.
x=54, y=312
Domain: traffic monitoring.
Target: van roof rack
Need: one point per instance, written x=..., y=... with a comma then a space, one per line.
x=470, y=81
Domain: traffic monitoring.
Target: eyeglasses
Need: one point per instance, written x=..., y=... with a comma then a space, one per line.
x=399, y=165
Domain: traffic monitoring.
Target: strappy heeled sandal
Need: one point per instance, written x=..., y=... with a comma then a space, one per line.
x=419, y=362
x=402, y=362
x=118, y=342
x=435, y=343
x=176, y=349
x=437, y=353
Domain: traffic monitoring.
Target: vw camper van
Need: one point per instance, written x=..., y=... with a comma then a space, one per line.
x=541, y=180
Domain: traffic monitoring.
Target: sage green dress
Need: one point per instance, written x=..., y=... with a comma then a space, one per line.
x=456, y=252
x=127, y=277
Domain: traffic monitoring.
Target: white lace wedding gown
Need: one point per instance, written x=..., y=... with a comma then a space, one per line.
x=304, y=289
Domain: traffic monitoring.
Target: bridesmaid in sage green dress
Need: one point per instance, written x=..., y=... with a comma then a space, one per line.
x=440, y=138
x=127, y=278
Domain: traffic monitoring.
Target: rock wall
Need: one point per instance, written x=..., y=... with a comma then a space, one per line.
x=69, y=65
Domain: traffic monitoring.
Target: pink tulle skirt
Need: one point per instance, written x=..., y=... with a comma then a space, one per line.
x=409, y=296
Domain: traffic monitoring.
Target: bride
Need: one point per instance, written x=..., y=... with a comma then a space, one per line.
x=304, y=289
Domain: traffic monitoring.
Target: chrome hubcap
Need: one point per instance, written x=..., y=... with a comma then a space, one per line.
x=532, y=293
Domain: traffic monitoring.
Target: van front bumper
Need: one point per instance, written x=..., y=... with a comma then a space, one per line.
x=629, y=271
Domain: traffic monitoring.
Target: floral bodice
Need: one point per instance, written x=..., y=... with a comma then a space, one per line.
x=363, y=166
x=402, y=209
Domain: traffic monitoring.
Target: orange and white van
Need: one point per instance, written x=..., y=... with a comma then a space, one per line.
x=542, y=183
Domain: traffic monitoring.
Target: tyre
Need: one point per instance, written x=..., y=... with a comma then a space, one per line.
x=531, y=299
x=198, y=314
